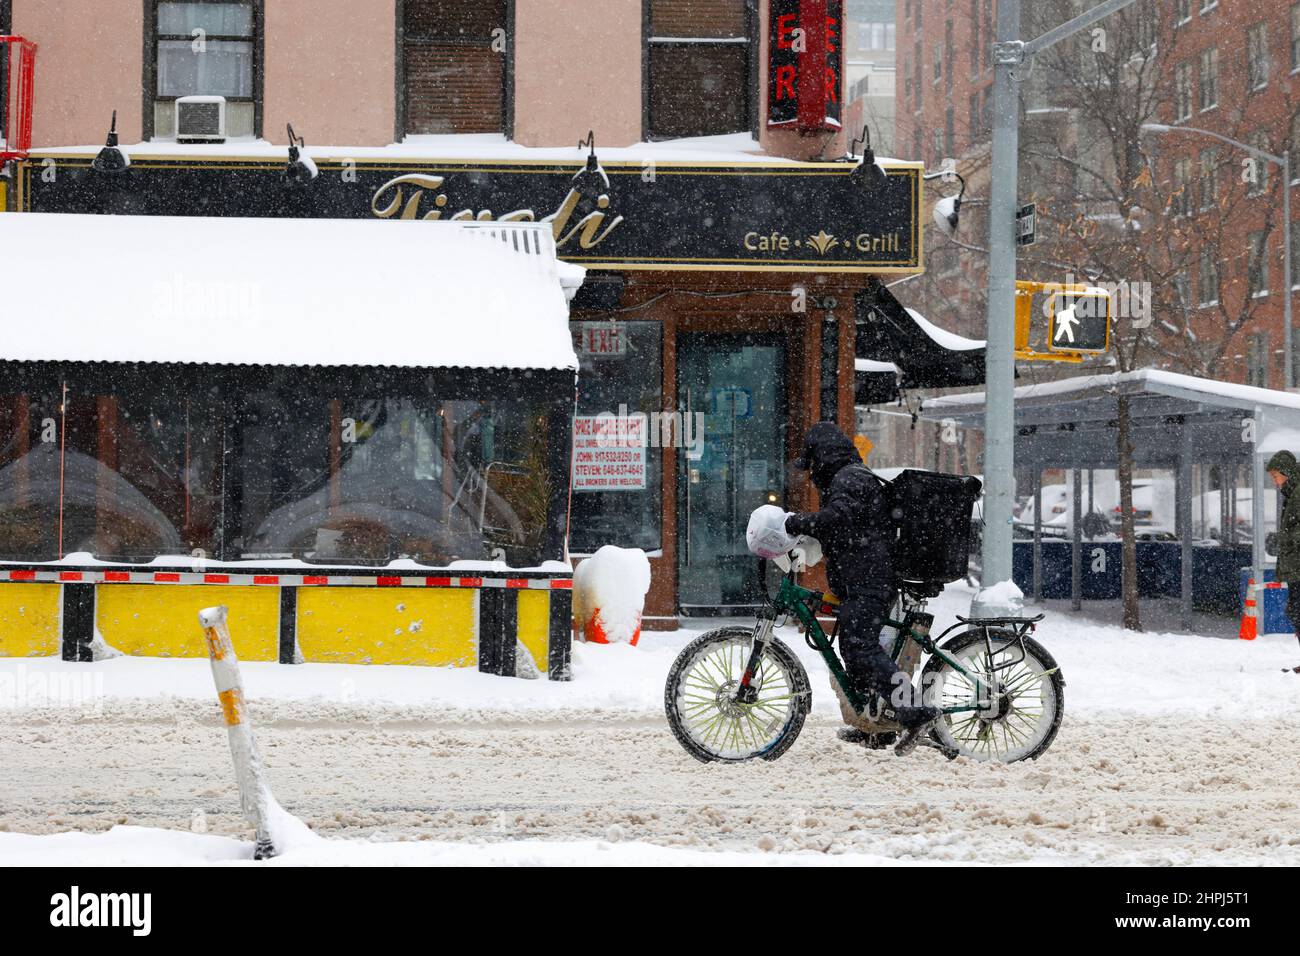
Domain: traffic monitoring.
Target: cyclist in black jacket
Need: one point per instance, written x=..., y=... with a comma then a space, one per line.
x=856, y=530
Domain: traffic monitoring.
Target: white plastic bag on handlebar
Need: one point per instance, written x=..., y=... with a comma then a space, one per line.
x=807, y=552
x=766, y=534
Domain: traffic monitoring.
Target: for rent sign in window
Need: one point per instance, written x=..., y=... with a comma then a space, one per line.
x=609, y=453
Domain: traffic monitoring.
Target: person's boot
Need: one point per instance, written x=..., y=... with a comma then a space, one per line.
x=917, y=723
x=851, y=735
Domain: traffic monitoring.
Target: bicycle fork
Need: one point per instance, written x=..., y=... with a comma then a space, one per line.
x=746, y=692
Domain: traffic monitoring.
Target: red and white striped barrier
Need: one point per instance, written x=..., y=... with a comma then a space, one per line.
x=29, y=575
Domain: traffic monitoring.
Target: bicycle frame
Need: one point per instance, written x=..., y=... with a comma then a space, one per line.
x=803, y=604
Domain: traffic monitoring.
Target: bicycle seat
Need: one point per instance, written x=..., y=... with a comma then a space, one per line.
x=922, y=589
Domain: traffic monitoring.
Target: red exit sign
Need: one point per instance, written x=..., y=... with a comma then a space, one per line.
x=805, y=65
x=603, y=338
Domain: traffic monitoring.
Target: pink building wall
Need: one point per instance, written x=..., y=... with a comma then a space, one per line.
x=577, y=68
x=89, y=64
x=330, y=69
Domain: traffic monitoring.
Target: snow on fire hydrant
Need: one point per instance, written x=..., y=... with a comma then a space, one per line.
x=609, y=590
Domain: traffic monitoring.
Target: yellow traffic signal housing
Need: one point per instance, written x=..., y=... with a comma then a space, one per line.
x=1080, y=321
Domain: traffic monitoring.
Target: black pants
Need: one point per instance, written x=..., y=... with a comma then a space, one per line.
x=869, y=666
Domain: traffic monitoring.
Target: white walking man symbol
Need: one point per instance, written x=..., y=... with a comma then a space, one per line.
x=1066, y=320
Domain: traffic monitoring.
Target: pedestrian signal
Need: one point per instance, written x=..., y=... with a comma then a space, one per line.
x=1080, y=322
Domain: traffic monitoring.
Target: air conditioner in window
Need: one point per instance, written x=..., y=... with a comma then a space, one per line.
x=201, y=119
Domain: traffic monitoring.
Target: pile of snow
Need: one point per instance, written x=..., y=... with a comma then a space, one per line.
x=609, y=590
x=1003, y=599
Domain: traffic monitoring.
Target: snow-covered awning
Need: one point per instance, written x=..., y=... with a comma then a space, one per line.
x=926, y=355
x=320, y=292
x=1182, y=394
x=874, y=383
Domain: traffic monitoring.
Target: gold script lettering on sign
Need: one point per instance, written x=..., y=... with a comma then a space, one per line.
x=392, y=199
x=587, y=228
x=419, y=183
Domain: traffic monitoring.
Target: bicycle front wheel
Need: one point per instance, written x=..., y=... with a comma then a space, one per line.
x=706, y=719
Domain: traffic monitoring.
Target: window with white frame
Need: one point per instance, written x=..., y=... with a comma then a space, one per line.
x=1209, y=78
x=876, y=36
x=1257, y=65
x=204, y=48
x=1257, y=264
x=1182, y=198
x=1257, y=360
x=1293, y=147
x=1209, y=184
x=1207, y=277
x=1257, y=170
x=1183, y=92
x=1295, y=36
x=1295, y=255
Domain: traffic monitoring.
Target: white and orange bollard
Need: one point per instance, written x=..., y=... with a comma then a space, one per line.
x=255, y=798
x=1250, y=613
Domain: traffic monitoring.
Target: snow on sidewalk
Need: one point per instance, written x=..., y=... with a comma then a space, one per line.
x=1107, y=671
x=148, y=846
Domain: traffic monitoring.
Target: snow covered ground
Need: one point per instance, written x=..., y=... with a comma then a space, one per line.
x=1175, y=749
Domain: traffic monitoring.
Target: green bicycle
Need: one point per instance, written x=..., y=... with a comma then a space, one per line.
x=737, y=693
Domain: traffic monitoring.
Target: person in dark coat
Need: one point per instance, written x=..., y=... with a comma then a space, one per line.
x=855, y=530
x=1285, y=472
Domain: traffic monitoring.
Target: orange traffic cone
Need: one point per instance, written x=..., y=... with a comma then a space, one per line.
x=1249, y=614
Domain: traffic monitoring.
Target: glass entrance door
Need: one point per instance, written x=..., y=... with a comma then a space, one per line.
x=734, y=387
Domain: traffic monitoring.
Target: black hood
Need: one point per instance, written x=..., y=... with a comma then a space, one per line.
x=825, y=451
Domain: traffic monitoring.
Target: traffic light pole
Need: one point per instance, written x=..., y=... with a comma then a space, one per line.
x=1009, y=53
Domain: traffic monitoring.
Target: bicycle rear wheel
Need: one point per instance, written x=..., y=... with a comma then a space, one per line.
x=710, y=724
x=1024, y=714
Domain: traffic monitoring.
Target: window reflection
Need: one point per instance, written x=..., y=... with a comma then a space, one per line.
x=149, y=462
x=29, y=478
x=372, y=480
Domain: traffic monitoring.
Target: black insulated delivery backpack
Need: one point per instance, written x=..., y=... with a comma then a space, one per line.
x=932, y=515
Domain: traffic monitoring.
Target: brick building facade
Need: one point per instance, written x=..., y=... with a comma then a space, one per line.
x=1228, y=68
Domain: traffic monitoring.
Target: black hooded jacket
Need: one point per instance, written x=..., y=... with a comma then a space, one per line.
x=853, y=525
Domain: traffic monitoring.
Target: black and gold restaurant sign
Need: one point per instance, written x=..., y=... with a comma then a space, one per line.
x=807, y=217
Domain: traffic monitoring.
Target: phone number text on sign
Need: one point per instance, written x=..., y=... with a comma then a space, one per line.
x=609, y=453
